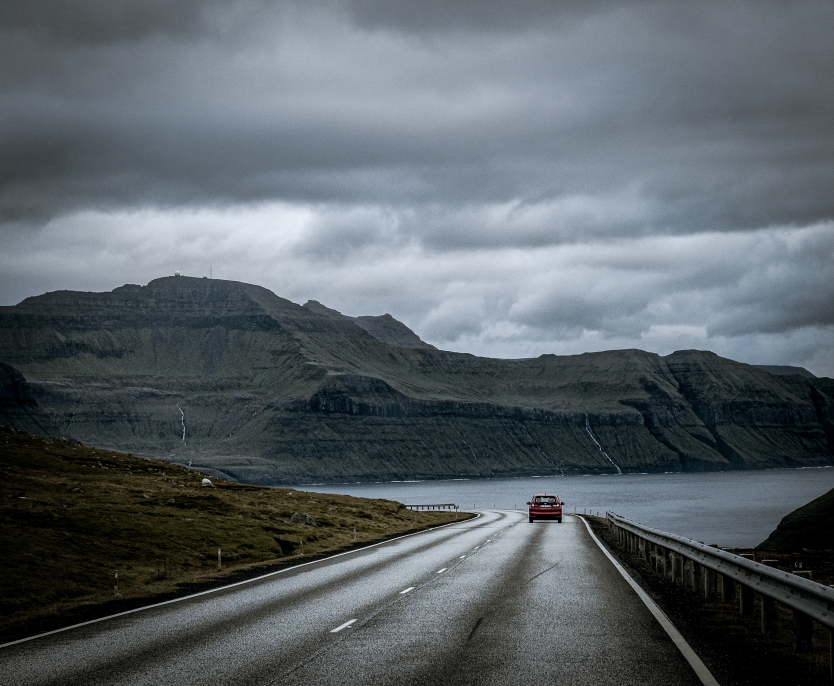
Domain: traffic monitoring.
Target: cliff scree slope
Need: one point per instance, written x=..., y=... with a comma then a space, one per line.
x=235, y=379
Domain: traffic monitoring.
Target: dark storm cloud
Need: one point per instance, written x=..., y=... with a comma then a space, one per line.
x=718, y=116
x=102, y=21
x=470, y=15
x=601, y=172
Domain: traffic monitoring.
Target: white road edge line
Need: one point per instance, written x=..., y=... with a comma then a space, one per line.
x=225, y=588
x=342, y=626
x=694, y=661
x=408, y=590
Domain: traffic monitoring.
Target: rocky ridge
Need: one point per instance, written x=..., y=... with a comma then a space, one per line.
x=234, y=378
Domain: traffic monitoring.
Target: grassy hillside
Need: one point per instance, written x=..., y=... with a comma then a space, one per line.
x=73, y=517
x=810, y=527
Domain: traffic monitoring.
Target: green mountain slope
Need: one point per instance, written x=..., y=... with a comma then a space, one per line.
x=232, y=377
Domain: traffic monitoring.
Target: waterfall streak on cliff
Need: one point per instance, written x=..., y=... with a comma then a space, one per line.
x=539, y=448
x=474, y=456
x=183, y=422
x=588, y=429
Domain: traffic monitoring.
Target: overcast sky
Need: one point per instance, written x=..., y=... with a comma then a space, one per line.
x=507, y=178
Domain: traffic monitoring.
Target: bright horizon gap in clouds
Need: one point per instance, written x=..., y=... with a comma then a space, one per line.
x=644, y=292
x=506, y=180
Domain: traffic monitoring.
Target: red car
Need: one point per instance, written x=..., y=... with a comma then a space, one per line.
x=545, y=506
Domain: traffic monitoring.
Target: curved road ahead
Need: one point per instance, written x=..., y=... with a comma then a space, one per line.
x=495, y=600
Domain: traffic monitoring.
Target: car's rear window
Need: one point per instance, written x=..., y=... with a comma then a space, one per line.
x=546, y=501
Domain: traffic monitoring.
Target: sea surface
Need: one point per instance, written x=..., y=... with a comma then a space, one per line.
x=734, y=509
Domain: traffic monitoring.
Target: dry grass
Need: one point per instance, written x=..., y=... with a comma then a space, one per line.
x=73, y=517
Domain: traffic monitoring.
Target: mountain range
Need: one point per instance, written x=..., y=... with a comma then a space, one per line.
x=233, y=379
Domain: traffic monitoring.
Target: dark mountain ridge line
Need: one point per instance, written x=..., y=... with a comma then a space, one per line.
x=275, y=392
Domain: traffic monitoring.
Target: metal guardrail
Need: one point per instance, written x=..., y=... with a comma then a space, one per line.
x=800, y=594
x=445, y=506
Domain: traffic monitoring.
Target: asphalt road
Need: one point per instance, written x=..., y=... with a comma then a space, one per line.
x=495, y=600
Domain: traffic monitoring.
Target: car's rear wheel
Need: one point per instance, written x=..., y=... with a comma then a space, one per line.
x=531, y=520
x=560, y=520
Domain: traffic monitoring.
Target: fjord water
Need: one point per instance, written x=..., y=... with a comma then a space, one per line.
x=737, y=509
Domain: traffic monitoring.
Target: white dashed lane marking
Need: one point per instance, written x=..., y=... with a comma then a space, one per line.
x=410, y=588
x=342, y=626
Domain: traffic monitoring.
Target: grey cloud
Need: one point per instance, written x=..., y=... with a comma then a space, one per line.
x=337, y=235
x=431, y=134
x=789, y=287
x=729, y=286
x=721, y=121
x=468, y=15
x=103, y=21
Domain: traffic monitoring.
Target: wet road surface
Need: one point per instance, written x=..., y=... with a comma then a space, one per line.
x=495, y=600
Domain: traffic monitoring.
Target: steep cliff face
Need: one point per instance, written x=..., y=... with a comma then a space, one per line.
x=18, y=407
x=756, y=418
x=231, y=376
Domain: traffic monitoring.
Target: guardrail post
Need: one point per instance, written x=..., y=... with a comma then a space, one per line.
x=689, y=575
x=770, y=615
x=803, y=632
x=746, y=598
x=709, y=584
x=727, y=589
x=697, y=573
